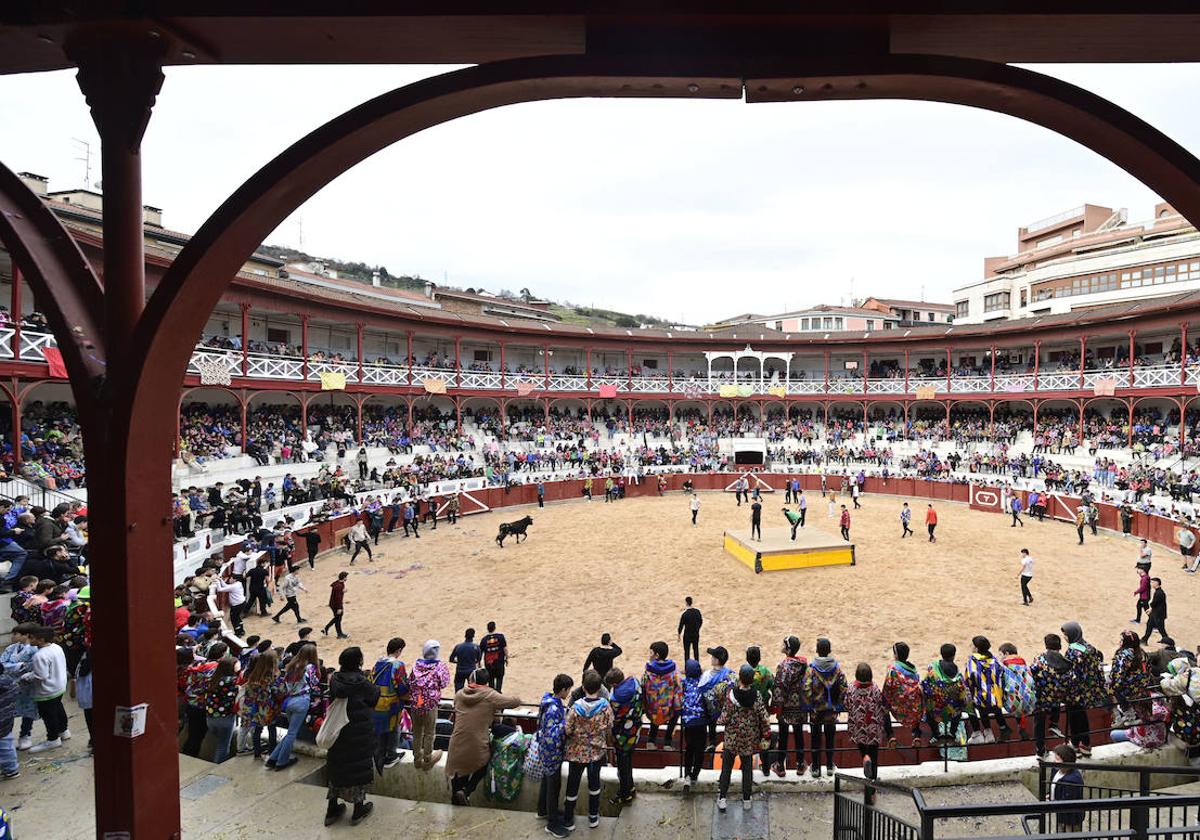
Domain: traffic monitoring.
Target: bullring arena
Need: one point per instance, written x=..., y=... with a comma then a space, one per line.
x=625, y=567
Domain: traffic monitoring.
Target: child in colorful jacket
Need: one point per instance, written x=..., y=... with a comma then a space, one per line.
x=985, y=685
x=663, y=695
x=747, y=730
x=588, y=737
x=625, y=697
x=867, y=718
x=429, y=678
x=1054, y=683
x=551, y=743
x=824, y=691
x=945, y=695
x=902, y=692
x=1020, y=695
x=1091, y=691
x=694, y=718
x=788, y=704
x=1130, y=678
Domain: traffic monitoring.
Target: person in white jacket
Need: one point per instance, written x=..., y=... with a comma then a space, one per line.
x=48, y=676
x=359, y=538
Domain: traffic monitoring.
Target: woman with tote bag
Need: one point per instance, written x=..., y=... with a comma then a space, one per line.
x=350, y=761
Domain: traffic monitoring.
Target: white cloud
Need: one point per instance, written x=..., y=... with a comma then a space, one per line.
x=690, y=210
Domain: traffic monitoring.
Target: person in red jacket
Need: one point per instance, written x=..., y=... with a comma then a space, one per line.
x=337, y=603
x=845, y=524
x=1142, y=593
x=931, y=522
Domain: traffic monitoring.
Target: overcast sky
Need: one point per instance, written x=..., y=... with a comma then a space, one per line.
x=687, y=210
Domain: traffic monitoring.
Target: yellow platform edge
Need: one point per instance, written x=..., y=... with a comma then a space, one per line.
x=781, y=560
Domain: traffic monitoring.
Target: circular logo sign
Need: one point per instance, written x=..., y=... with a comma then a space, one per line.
x=987, y=498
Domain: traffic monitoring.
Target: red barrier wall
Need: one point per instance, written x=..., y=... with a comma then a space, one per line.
x=1153, y=528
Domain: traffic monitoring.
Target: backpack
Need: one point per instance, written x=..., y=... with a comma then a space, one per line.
x=506, y=768
x=713, y=700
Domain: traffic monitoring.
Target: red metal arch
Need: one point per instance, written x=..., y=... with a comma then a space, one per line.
x=63, y=282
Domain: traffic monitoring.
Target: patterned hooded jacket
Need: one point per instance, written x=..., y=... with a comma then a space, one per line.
x=945, y=693
x=903, y=695
x=787, y=695
x=1020, y=693
x=1053, y=680
x=985, y=681
x=1088, y=664
x=662, y=692
x=551, y=733
x=588, y=729
x=429, y=678
x=692, y=713
x=626, y=702
x=866, y=715
x=745, y=720
x=824, y=689
x=1130, y=677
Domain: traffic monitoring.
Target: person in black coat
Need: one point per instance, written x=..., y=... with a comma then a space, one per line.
x=1157, y=619
x=350, y=763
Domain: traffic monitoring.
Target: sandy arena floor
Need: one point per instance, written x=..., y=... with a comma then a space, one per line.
x=625, y=568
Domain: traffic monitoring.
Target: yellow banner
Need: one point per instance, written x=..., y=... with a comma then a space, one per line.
x=927, y=392
x=435, y=385
x=332, y=380
x=728, y=391
x=777, y=391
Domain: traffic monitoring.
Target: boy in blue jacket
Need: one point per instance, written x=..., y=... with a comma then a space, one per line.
x=551, y=740
x=695, y=724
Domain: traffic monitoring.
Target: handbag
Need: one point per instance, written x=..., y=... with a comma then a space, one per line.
x=335, y=721
x=534, y=771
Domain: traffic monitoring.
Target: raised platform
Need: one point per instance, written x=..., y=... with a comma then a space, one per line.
x=777, y=551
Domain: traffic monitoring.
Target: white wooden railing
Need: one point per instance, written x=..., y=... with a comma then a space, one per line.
x=289, y=368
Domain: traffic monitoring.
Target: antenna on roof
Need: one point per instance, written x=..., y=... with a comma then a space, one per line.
x=86, y=148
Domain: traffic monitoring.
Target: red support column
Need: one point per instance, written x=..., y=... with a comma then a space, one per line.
x=410, y=367
x=1129, y=441
x=245, y=338
x=864, y=379
x=948, y=387
x=1082, y=365
x=993, y=368
x=546, y=365
x=16, y=430
x=458, y=361
x=242, y=406
x=1183, y=353
x=1132, y=335
x=589, y=368
x=670, y=372
x=629, y=366
x=1037, y=361
x=15, y=311
x=304, y=347
x=137, y=794
x=358, y=342
x=826, y=378
x=458, y=415
x=359, y=425
x=906, y=370
x=502, y=376
x=304, y=415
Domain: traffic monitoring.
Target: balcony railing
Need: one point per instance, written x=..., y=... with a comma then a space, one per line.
x=6, y=342
x=286, y=368
x=32, y=344
x=274, y=367
x=347, y=369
